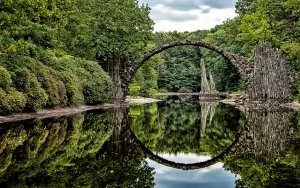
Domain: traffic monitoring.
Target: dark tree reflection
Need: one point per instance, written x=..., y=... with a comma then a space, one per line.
x=110, y=148
x=71, y=152
x=269, y=154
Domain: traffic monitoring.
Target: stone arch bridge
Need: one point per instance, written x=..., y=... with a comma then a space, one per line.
x=268, y=77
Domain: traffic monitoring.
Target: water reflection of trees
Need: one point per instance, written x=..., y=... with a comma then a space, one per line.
x=183, y=126
x=269, y=154
x=98, y=149
x=68, y=152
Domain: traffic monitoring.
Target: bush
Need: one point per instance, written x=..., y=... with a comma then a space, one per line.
x=95, y=84
x=297, y=91
x=21, y=79
x=56, y=82
x=49, y=84
x=36, y=95
x=5, y=79
x=27, y=82
x=73, y=89
x=11, y=101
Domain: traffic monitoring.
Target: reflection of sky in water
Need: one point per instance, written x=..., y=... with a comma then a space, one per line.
x=211, y=177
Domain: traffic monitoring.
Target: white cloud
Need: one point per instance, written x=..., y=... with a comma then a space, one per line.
x=189, y=15
x=210, y=176
x=203, y=21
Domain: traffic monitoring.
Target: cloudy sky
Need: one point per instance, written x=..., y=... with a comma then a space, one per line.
x=211, y=177
x=189, y=15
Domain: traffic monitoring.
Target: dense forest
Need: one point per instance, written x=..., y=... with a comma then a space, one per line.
x=57, y=53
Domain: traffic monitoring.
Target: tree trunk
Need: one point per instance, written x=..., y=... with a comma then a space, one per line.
x=112, y=67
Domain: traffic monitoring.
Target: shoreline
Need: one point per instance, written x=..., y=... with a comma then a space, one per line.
x=293, y=105
x=56, y=112
x=59, y=112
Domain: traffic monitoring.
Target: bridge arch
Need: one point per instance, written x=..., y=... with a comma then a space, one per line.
x=268, y=77
x=239, y=62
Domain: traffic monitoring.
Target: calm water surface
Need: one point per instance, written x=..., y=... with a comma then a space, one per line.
x=180, y=142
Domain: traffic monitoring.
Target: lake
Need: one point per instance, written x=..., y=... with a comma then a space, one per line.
x=178, y=142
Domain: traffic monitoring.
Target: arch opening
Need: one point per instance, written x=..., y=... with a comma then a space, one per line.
x=239, y=62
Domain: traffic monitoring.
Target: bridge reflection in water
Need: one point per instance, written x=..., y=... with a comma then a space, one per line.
x=266, y=134
x=111, y=148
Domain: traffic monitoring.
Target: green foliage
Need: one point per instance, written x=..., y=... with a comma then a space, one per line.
x=5, y=79
x=36, y=38
x=276, y=22
x=56, y=82
x=225, y=74
x=256, y=26
x=121, y=27
x=297, y=90
x=11, y=101
x=85, y=78
x=96, y=83
x=243, y=6
x=180, y=70
x=36, y=95
x=151, y=92
x=134, y=89
x=146, y=78
x=73, y=88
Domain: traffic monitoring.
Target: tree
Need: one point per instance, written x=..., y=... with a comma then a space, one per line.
x=244, y=6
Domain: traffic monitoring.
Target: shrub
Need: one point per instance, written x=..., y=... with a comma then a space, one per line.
x=297, y=90
x=36, y=95
x=11, y=101
x=49, y=84
x=96, y=83
x=56, y=82
x=21, y=79
x=73, y=88
x=27, y=82
x=5, y=79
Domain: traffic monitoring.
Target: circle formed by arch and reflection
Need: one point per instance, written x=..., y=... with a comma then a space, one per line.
x=188, y=166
